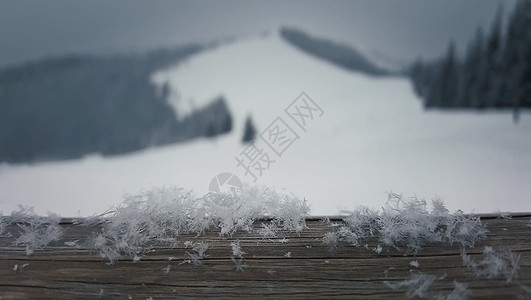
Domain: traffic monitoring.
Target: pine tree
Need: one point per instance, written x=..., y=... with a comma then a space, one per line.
x=517, y=55
x=493, y=76
x=249, y=131
x=495, y=73
x=211, y=130
x=468, y=90
x=226, y=125
x=494, y=41
x=443, y=91
x=418, y=76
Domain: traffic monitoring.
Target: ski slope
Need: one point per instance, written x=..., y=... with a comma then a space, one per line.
x=372, y=138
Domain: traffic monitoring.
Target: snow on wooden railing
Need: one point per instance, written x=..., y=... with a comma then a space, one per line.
x=167, y=243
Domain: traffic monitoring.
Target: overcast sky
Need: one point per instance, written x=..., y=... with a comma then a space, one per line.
x=405, y=29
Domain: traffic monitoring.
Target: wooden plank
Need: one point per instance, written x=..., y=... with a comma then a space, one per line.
x=312, y=270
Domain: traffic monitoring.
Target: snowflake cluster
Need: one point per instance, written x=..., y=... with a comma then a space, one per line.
x=407, y=222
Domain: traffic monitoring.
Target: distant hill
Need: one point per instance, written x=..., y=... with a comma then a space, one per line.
x=338, y=54
x=67, y=107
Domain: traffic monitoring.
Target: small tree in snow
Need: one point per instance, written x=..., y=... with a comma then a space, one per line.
x=249, y=131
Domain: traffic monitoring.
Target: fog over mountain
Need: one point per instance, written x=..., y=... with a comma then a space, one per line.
x=404, y=30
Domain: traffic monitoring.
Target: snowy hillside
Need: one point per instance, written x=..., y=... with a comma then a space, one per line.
x=373, y=137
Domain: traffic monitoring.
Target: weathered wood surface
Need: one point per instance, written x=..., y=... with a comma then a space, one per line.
x=312, y=271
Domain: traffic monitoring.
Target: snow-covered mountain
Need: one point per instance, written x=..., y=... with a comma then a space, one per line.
x=371, y=136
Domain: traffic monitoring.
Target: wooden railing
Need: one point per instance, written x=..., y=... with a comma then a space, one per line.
x=288, y=266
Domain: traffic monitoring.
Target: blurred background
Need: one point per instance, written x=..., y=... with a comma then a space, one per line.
x=425, y=98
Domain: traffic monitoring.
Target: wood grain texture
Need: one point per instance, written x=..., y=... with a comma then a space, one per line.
x=312, y=270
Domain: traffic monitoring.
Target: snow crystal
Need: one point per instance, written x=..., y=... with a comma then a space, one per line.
x=237, y=255
x=37, y=232
x=16, y=267
x=416, y=286
x=239, y=263
x=494, y=264
x=3, y=224
x=291, y=212
x=167, y=269
x=414, y=263
x=331, y=239
x=72, y=243
x=197, y=257
x=236, y=249
x=459, y=292
x=526, y=289
x=160, y=215
x=268, y=231
x=504, y=215
x=407, y=222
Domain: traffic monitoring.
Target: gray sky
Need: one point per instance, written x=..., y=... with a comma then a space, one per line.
x=404, y=29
